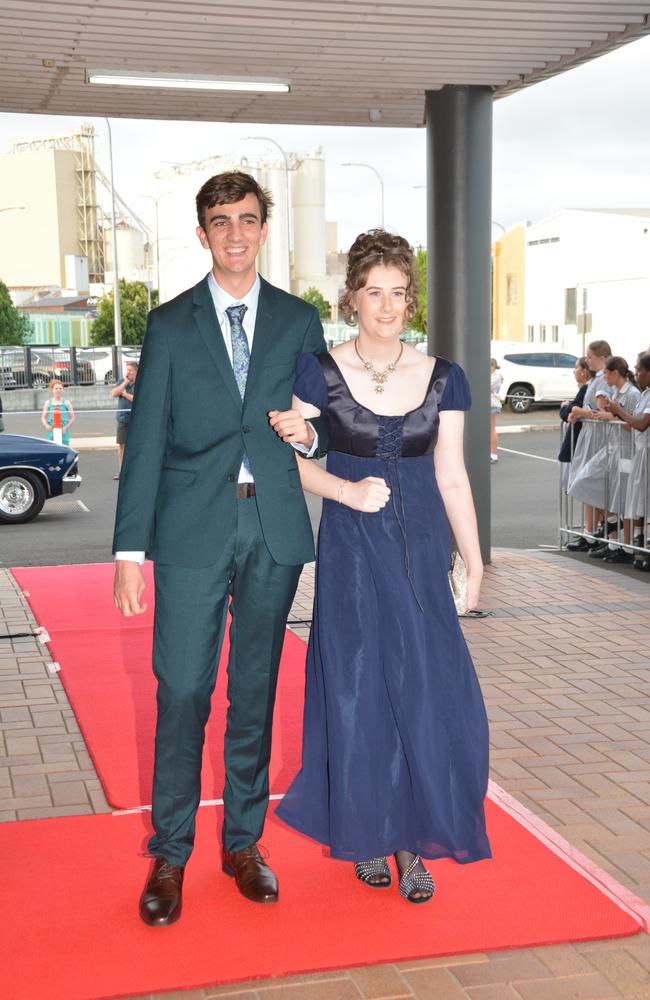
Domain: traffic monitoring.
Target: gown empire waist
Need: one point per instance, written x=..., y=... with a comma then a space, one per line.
x=395, y=738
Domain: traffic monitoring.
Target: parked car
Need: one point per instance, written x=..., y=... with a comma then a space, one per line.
x=100, y=360
x=533, y=374
x=47, y=363
x=31, y=471
x=7, y=380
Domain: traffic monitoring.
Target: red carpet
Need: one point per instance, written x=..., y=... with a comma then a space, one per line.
x=69, y=926
x=106, y=671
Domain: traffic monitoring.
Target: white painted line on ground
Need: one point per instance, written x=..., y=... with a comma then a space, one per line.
x=523, y=428
x=203, y=802
x=83, y=507
x=526, y=454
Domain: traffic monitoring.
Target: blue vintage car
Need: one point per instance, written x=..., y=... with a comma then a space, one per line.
x=31, y=470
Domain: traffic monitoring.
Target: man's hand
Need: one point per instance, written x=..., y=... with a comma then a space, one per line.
x=291, y=427
x=128, y=588
x=118, y=389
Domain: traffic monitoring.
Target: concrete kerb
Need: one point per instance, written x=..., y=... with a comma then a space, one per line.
x=92, y=443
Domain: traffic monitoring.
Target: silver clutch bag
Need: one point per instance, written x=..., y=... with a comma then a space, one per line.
x=458, y=583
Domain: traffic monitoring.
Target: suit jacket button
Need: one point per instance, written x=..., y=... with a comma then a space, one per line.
x=246, y=429
x=231, y=478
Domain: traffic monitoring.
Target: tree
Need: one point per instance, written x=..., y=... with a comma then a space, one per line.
x=15, y=327
x=316, y=298
x=133, y=308
x=419, y=321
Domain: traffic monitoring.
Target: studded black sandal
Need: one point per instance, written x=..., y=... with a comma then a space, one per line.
x=412, y=882
x=375, y=868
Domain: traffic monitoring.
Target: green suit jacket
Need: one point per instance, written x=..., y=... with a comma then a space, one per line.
x=189, y=428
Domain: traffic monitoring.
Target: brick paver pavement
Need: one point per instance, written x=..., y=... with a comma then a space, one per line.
x=564, y=665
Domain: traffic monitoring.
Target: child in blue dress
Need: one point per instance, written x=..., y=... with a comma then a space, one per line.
x=57, y=404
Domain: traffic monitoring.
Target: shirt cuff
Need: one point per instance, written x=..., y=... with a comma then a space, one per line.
x=131, y=557
x=302, y=448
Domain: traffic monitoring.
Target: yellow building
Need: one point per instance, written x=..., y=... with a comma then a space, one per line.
x=41, y=227
x=508, y=285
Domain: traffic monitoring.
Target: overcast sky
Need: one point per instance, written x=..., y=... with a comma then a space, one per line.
x=580, y=139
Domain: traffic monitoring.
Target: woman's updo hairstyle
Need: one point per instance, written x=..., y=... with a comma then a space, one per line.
x=378, y=248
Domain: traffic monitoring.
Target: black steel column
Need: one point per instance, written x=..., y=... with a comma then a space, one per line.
x=459, y=196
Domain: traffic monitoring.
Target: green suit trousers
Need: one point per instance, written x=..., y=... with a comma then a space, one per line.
x=190, y=617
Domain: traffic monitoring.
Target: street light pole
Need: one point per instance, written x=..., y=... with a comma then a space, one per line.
x=117, y=312
x=369, y=166
x=267, y=138
x=156, y=199
x=177, y=250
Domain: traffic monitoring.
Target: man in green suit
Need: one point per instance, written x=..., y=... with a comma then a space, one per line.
x=211, y=493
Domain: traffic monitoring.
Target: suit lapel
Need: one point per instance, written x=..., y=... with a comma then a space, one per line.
x=264, y=334
x=205, y=317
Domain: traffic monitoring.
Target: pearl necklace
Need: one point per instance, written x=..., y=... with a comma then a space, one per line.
x=379, y=378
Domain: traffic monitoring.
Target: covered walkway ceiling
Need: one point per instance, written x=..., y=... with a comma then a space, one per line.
x=344, y=59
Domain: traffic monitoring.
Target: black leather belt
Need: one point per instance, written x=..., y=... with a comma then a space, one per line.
x=245, y=490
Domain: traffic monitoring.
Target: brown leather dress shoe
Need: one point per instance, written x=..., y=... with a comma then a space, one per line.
x=254, y=878
x=162, y=899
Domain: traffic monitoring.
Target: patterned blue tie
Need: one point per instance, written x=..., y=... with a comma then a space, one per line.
x=241, y=354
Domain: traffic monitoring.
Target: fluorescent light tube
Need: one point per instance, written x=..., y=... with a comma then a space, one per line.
x=115, y=78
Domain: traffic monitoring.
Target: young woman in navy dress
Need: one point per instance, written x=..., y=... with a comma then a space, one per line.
x=395, y=742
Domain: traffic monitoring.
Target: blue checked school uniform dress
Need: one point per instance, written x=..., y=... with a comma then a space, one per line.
x=395, y=740
x=601, y=481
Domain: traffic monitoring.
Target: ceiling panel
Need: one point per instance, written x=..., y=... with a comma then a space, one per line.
x=343, y=58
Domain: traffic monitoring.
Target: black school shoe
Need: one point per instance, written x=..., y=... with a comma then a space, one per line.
x=618, y=555
x=579, y=545
x=599, y=551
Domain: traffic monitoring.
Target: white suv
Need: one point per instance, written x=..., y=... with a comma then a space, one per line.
x=533, y=374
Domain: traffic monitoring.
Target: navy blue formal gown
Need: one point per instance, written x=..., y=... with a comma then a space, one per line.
x=395, y=737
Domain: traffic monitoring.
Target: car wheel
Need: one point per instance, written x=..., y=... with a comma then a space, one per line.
x=108, y=378
x=520, y=398
x=22, y=496
x=40, y=381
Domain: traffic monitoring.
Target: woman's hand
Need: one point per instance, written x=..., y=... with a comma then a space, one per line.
x=368, y=495
x=474, y=578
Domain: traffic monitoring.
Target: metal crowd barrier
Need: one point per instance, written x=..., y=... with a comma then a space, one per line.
x=621, y=472
x=34, y=366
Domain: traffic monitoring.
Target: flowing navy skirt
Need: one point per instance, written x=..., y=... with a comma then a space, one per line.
x=395, y=741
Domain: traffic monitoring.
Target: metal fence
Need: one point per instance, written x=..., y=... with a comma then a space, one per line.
x=610, y=474
x=34, y=367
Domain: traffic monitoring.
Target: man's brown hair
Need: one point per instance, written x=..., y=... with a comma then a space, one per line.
x=228, y=188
